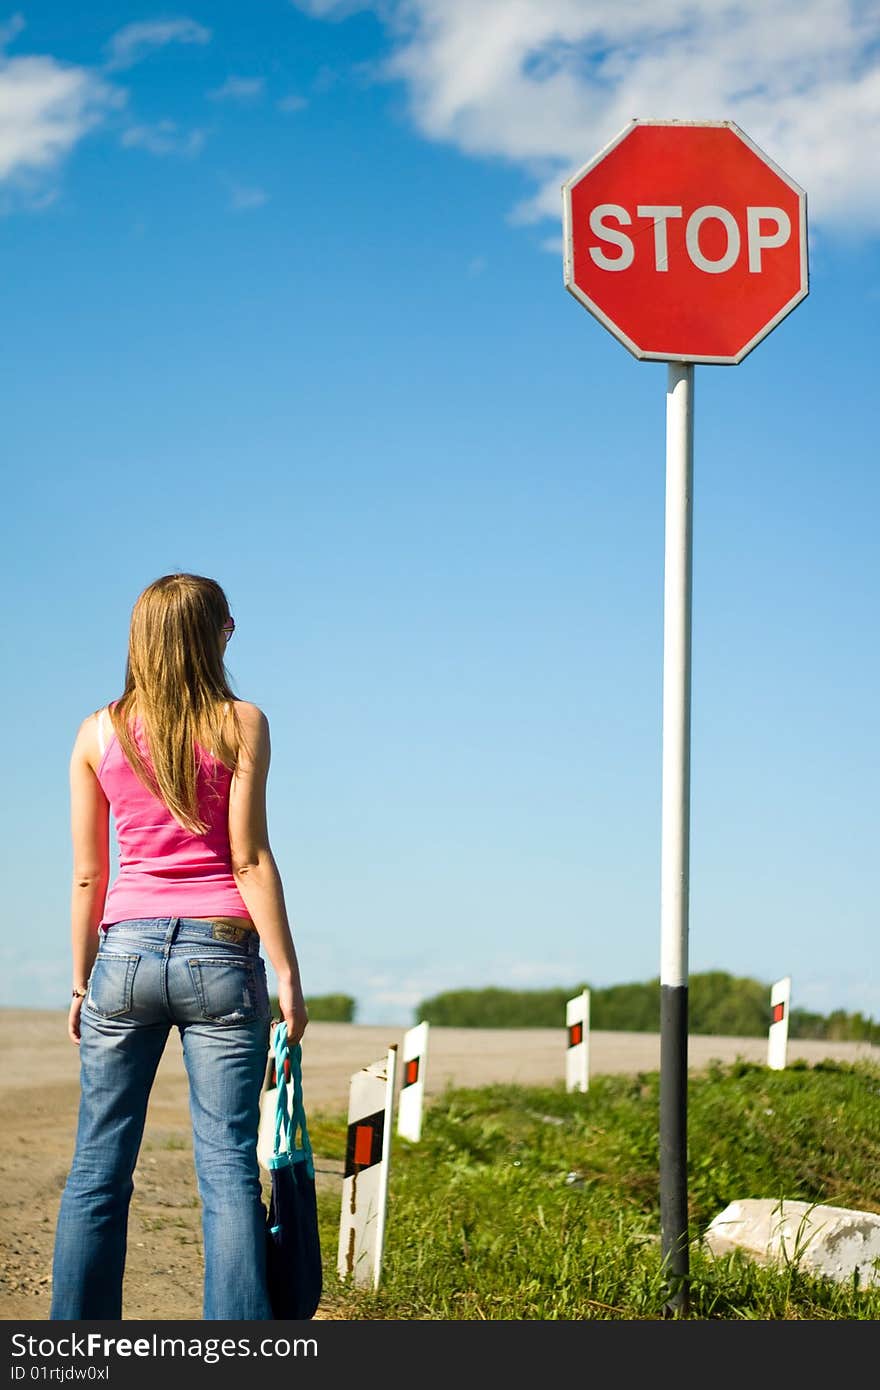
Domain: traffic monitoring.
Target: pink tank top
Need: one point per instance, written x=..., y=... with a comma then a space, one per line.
x=165, y=870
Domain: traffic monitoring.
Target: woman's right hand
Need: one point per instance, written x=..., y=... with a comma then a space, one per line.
x=73, y=1024
x=292, y=1006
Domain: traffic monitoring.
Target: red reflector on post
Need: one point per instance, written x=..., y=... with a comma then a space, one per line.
x=363, y=1145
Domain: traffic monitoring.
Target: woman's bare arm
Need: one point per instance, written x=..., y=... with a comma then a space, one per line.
x=90, y=837
x=256, y=872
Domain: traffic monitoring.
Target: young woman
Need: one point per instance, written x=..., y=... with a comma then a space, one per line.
x=182, y=765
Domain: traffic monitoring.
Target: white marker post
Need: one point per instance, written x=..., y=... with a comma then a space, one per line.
x=577, y=1056
x=412, y=1083
x=777, y=1040
x=365, y=1179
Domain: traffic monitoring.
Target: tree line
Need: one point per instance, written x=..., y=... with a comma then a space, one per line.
x=718, y=1004
x=323, y=1008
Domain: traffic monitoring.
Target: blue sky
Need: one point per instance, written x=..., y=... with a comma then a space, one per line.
x=284, y=305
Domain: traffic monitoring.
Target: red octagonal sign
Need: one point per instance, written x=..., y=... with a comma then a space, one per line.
x=685, y=240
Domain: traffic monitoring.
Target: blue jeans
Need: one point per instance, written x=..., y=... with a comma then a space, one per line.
x=149, y=974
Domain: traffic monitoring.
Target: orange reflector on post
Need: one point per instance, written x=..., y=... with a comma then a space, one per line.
x=364, y=1144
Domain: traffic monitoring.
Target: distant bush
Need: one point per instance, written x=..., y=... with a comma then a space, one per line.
x=718, y=1004
x=331, y=1008
x=723, y=1005
x=324, y=1008
x=837, y=1027
x=625, y=1008
x=496, y=1008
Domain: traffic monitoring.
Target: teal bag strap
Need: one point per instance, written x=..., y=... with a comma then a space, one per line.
x=290, y=1120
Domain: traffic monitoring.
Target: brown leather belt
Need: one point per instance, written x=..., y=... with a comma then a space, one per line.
x=245, y=922
x=231, y=929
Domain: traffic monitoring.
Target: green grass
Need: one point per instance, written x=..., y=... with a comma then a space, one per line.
x=481, y=1222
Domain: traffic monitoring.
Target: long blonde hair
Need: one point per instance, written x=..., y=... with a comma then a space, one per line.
x=176, y=685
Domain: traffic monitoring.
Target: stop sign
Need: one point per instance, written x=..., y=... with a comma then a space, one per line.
x=685, y=240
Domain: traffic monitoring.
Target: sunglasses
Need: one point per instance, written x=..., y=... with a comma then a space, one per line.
x=228, y=627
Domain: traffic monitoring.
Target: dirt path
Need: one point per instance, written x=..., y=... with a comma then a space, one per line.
x=39, y=1094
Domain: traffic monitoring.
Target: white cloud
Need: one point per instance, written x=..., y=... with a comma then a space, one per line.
x=135, y=41
x=238, y=89
x=390, y=1002
x=540, y=974
x=292, y=103
x=164, y=137
x=337, y=9
x=46, y=107
x=396, y=998
x=11, y=29
x=241, y=198
x=818, y=994
x=44, y=982
x=545, y=84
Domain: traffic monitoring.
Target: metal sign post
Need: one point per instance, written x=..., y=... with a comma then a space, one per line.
x=675, y=827
x=689, y=244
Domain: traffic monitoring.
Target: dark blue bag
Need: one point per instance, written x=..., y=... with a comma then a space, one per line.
x=293, y=1247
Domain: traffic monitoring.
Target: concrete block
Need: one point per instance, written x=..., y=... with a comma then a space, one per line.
x=829, y=1241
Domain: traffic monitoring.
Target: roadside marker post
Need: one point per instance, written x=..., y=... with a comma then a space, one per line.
x=777, y=1040
x=410, y=1102
x=365, y=1178
x=577, y=1055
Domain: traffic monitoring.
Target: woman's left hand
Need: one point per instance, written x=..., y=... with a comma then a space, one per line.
x=76, y=1004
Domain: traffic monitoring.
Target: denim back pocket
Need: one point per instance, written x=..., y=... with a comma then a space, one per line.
x=229, y=990
x=111, y=984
